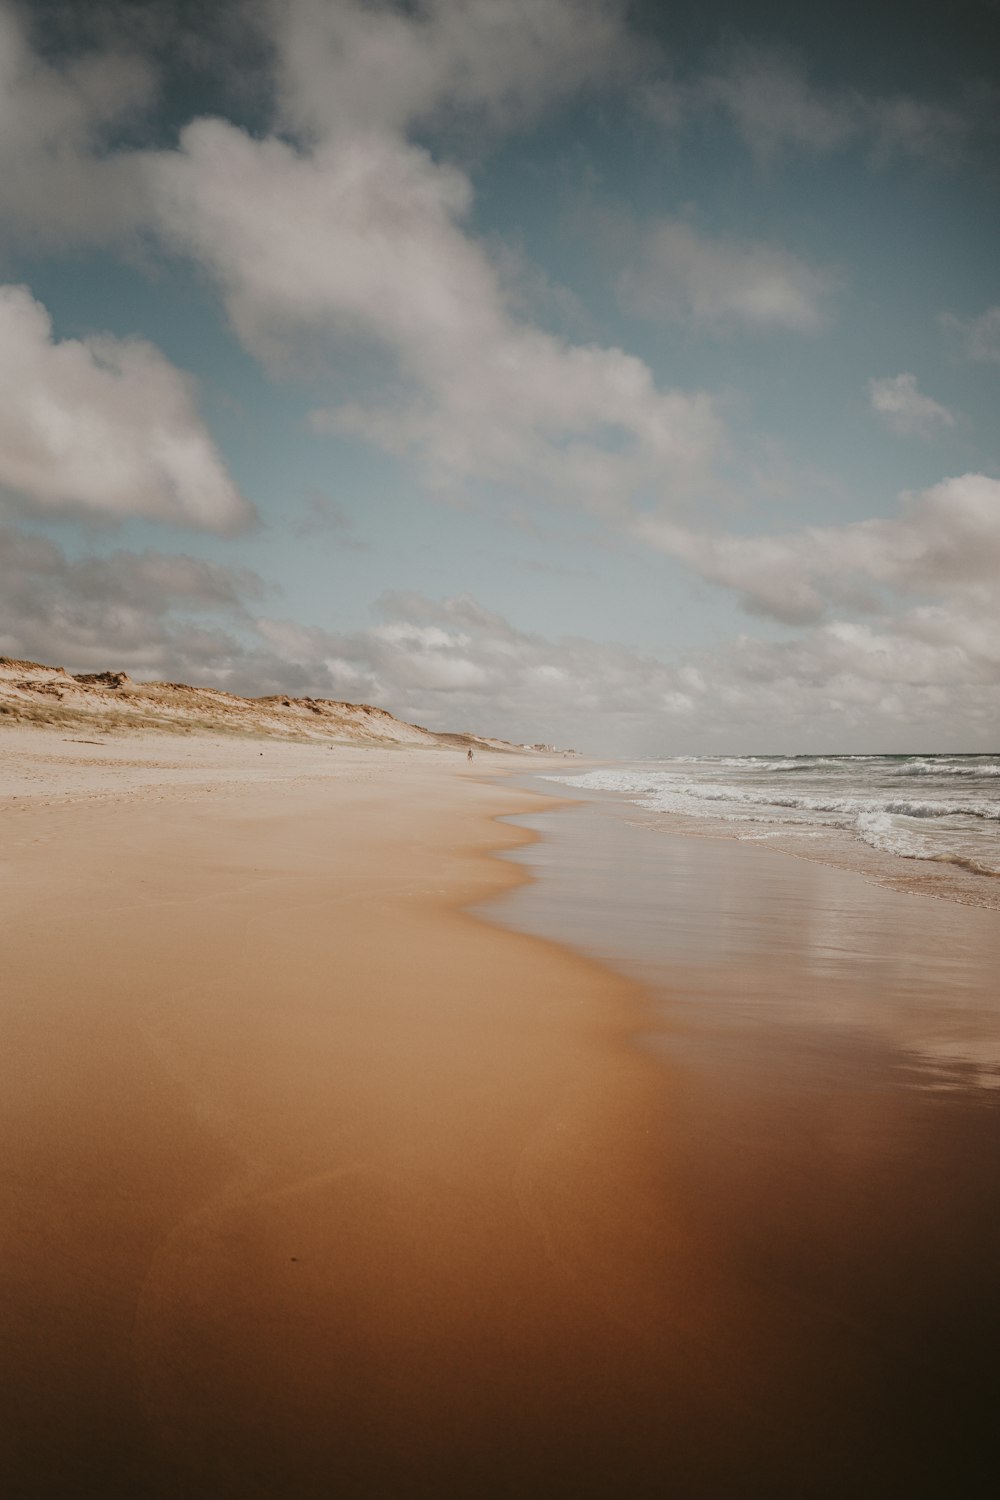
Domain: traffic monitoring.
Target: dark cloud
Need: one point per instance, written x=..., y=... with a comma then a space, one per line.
x=134, y=610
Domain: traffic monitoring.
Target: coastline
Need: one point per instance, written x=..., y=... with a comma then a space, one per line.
x=946, y=875
x=318, y=1181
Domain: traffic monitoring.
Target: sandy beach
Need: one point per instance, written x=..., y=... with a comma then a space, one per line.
x=293, y=1144
x=316, y=1183
x=499, y=750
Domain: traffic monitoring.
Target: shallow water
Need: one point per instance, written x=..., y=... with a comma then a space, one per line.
x=831, y=1128
x=938, y=815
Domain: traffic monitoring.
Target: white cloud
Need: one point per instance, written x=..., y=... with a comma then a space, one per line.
x=945, y=539
x=349, y=232
x=57, y=181
x=904, y=408
x=452, y=664
x=104, y=426
x=362, y=238
x=353, y=66
x=918, y=668
x=909, y=675
x=980, y=337
x=428, y=637
x=849, y=683
x=684, y=273
x=334, y=66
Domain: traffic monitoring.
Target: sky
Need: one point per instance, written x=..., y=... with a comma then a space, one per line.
x=616, y=376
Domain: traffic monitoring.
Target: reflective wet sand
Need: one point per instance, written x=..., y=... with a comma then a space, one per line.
x=829, y=1138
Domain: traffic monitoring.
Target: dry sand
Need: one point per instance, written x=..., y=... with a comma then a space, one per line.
x=313, y=1183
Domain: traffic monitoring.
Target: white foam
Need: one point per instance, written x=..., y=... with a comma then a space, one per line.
x=854, y=793
x=946, y=768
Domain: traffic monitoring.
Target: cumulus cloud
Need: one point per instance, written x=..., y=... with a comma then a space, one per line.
x=847, y=682
x=70, y=175
x=979, y=337
x=363, y=237
x=945, y=539
x=338, y=229
x=683, y=273
x=906, y=409
x=453, y=662
x=342, y=229
x=104, y=426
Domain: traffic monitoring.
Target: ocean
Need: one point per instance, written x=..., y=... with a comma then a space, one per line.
x=939, y=810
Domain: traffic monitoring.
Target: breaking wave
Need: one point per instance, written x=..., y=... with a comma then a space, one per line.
x=949, y=812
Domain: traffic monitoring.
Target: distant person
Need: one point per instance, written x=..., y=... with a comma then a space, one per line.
x=470, y=755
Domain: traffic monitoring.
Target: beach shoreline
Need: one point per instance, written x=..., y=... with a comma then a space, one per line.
x=659, y=800
x=319, y=1182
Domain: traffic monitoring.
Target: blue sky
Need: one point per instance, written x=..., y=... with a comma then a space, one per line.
x=622, y=376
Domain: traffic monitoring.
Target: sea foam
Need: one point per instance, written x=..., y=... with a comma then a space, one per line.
x=949, y=811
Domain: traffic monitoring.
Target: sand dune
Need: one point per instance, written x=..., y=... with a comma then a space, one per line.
x=31, y=693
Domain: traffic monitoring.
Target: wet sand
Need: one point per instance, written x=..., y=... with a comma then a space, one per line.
x=832, y=1144
x=316, y=1184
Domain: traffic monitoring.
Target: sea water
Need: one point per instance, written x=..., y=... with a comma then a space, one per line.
x=940, y=808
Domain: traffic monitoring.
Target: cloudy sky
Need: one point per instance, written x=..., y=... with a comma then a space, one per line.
x=617, y=375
